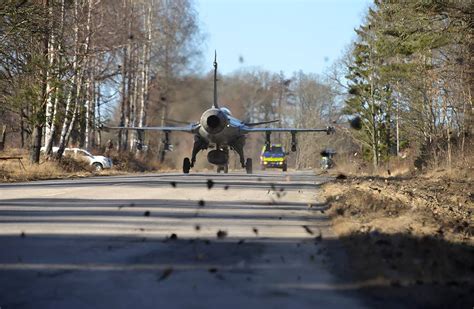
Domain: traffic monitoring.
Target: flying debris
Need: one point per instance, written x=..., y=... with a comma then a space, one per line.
x=166, y=273
x=221, y=234
x=319, y=237
x=218, y=130
x=210, y=184
x=308, y=230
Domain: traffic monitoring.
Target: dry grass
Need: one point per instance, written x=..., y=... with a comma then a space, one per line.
x=130, y=162
x=356, y=167
x=402, y=167
x=68, y=167
x=13, y=171
x=422, y=204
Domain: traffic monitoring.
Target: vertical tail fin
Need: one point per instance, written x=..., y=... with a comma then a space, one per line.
x=215, y=81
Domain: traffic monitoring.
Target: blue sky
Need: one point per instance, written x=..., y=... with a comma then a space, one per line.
x=278, y=35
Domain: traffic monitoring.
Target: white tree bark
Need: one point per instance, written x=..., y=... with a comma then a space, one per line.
x=145, y=68
x=68, y=113
x=50, y=100
x=53, y=100
x=89, y=77
x=75, y=90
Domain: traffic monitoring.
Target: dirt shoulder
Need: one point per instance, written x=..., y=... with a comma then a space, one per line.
x=413, y=233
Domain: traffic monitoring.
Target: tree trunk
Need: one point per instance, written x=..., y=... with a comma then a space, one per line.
x=36, y=143
x=50, y=134
x=51, y=124
x=375, y=146
x=2, y=137
x=129, y=101
x=50, y=90
x=145, y=73
x=87, y=112
x=22, y=132
x=39, y=111
x=98, y=119
x=67, y=119
x=71, y=125
x=124, y=99
x=398, y=128
x=73, y=91
x=89, y=78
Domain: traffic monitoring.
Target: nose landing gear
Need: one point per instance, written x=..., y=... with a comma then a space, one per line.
x=224, y=168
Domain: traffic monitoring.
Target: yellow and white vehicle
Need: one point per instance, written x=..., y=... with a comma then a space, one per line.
x=273, y=155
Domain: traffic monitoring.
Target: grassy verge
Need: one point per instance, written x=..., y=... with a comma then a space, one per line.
x=13, y=171
x=68, y=167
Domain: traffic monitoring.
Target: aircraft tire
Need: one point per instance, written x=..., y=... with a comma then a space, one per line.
x=186, y=165
x=248, y=166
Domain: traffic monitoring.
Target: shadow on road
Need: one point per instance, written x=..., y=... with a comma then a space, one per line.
x=413, y=279
x=411, y=272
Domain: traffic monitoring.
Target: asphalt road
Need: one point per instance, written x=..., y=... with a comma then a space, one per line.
x=170, y=241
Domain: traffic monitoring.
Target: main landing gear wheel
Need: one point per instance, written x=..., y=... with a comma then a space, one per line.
x=186, y=165
x=248, y=166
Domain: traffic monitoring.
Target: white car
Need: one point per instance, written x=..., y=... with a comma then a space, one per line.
x=99, y=162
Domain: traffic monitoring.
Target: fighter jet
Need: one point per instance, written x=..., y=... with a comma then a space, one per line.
x=218, y=130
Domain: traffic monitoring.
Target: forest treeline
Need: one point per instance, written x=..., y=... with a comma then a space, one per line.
x=63, y=61
x=69, y=66
x=410, y=78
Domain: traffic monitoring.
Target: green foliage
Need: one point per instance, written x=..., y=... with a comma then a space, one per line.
x=22, y=58
x=402, y=63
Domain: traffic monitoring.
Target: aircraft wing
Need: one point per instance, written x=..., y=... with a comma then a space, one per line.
x=253, y=124
x=191, y=128
x=246, y=129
